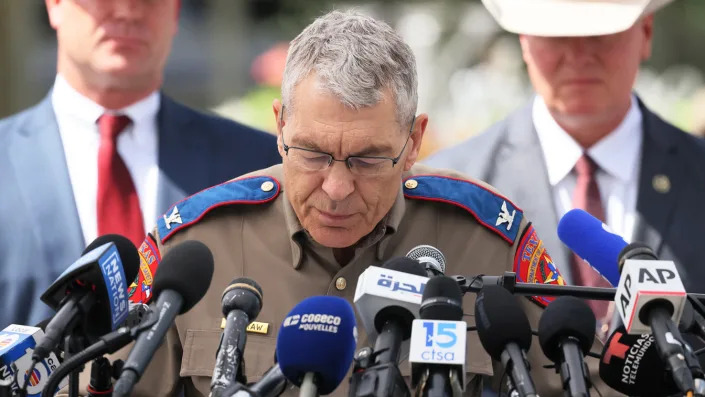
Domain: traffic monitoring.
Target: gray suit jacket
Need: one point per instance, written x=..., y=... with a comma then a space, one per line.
x=40, y=232
x=508, y=156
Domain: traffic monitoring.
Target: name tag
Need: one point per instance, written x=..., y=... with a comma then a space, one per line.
x=255, y=327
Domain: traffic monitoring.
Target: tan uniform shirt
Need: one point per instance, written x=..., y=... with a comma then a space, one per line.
x=266, y=243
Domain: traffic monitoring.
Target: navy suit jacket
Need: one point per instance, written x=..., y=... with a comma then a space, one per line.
x=40, y=228
x=509, y=156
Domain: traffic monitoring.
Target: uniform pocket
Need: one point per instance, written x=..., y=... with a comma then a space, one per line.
x=201, y=346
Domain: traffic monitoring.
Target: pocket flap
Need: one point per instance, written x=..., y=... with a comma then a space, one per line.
x=200, y=348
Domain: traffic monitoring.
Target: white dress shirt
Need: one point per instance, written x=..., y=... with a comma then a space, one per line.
x=77, y=118
x=618, y=156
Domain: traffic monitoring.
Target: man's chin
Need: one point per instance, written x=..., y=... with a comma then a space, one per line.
x=334, y=237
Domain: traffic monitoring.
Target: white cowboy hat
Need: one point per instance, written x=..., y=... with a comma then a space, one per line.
x=570, y=17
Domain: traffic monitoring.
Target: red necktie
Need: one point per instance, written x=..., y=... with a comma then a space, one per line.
x=587, y=197
x=118, y=207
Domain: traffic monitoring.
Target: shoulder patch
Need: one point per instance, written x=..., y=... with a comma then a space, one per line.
x=252, y=190
x=141, y=289
x=490, y=209
x=532, y=264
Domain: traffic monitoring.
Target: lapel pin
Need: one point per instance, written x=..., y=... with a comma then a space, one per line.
x=661, y=183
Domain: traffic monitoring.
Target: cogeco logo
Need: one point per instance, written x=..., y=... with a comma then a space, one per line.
x=314, y=322
x=440, y=339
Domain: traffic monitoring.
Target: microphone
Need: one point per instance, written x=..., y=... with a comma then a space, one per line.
x=16, y=345
x=437, y=349
x=430, y=257
x=391, y=293
x=691, y=321
x=650, y=298
x=183, y=279
x=271, y=384
x=387, y=300
x=593, y=241
x=241, y=303
x=631, y=365
x=505, y=334
x=566, y=333
x=95, y=287
x=316, y=343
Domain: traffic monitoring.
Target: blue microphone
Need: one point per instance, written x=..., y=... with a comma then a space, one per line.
x=592, y=240
x=316, y=343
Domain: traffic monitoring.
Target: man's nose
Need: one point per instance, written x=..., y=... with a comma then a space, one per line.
x=339, y=182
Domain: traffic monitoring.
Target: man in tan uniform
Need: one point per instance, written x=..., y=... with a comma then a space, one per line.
x=347, y=196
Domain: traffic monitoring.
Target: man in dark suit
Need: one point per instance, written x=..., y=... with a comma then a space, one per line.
x=586, y=141
x=105, y=151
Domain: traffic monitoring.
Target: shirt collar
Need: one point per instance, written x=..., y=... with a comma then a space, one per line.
x=617, y=153
x=386, y=227
x=67, y=101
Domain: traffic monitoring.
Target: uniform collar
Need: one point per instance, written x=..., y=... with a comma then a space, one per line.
x=388, y=226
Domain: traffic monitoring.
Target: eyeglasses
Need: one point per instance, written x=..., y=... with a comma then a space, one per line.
x=313, y=160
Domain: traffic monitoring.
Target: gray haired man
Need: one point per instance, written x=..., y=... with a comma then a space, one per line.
x=347, y=195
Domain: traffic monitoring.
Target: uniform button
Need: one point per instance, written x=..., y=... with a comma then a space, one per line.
x=411, y=184
x=341, y=283
x=605, y=327
x=267, y=186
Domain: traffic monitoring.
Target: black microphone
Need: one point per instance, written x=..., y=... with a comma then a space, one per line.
x=505, y=333
x=441, y=300
x=81, y=291
x=182, y=280
x=566, y=333
x=385, y=313
x=644, y=307
x=631, y=365
x=394, y=322
x=241, y=303
x=271, y=384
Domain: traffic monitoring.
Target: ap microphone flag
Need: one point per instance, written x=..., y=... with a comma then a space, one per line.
x=318, y=336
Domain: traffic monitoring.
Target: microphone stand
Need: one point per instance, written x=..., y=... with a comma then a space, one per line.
x=509, y=282
x=372, y=378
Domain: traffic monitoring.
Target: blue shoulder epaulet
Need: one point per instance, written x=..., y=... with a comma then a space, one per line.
x=490, y=209
x=251, y=190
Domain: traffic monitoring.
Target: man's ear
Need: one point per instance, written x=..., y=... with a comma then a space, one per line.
x=415, y=140
x=278, y=110
x=54, y=12
x=647, y=30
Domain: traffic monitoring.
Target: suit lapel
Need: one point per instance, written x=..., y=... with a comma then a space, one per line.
x=179, y=166
x=38, y=158
x=520, y=173
x=660, y=181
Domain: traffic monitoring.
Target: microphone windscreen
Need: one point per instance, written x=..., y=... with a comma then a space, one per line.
x=127, y=251
x=442, y=299
x=318, y=336
x=588, y=237
x=405, y=265
x=566, y=316
x=429, y=255
x=187, y=268
x=630, y=364
x=499, y=320
x=242, y=294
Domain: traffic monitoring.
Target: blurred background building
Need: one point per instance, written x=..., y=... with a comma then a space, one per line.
x=229, y=55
